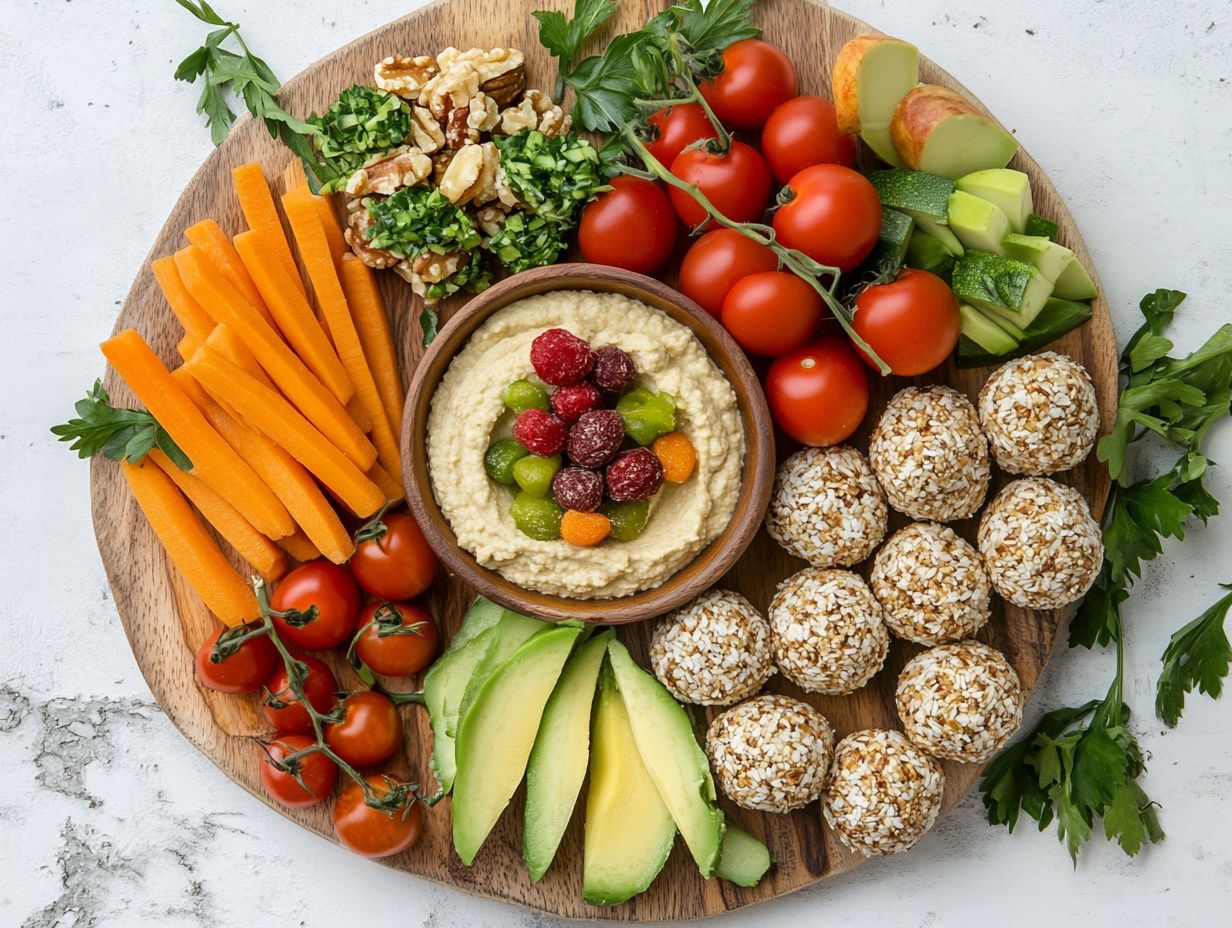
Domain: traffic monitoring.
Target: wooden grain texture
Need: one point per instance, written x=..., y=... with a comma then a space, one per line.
x=164, y=621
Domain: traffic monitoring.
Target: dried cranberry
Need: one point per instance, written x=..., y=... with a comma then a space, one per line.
x=570, y=402
x=595, y=437
x=634, y=476
x=560, y=357
x=578, y=488
x=614, y=369
x=539, y=432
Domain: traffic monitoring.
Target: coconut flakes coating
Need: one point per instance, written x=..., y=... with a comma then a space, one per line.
x=931, y=584
x=827, y=507
x=929, y=454
x=828, y=633
x=1040, y=414
x=959, y=701
x=772, y=753
x=713, y=651
x=884, y=794
x=1040, y=545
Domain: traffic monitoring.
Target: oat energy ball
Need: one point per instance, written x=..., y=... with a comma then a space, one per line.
x=827, y=631
x=959, y=701
x=1040, y=545
x=930, y=455
x=885, y=793
x=771, y=753
x=827, y=507
x=931, y=584
x=714, y=651
x=1040, y=414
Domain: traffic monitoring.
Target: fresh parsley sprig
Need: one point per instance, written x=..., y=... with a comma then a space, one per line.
x=564, y=36
x=1197, y=657
x=118, y=434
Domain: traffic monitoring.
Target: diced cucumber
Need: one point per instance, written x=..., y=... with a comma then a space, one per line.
x=979, y=224
x=1038, y=225
x=1074, y=283
x=927, y=253
x=891, y=248
x=1054, y=320
x=1005, y=188
x=915, y=193
x=942, y=233
x=990, y=337
x=1049, y=258
x=1000, y=285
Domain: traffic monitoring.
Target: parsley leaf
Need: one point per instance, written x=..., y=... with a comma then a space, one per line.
x=716, y=25
x=118, y=434
x=564, y=38
x=1197, y=657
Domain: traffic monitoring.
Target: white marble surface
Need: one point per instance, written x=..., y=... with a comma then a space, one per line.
x=110, y=819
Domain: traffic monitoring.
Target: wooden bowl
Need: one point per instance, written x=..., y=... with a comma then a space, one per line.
x=713, y=561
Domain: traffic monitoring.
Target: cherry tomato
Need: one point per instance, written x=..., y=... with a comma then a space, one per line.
x=397, y=565
x=282, y=707
x=630, y=226
x=370, y=731
x=242, y=671
x=756, y=77
x=912, y=322
x=834, y=216
x=317, y=772
x=322, y=601
x=737, y=182
x=371, y=832
x=803, y=132
x=772, y=313
x=716, y=261
x=819, y=394
x=399, y=639
x=679, y=127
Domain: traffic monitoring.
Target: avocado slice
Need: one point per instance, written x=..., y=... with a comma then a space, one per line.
x=496, y=736
x=926, y=252
x=508, y=635
x=1074, y=283
x=1004, y=188
x=1049, y=258
x=676, y=762
x=1055, y=319
x=984, y=332
x=743, y=859
x=977, y=223
x=557, y=763
x=629, y=831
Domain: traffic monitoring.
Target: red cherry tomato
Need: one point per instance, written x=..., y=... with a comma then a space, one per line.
x=242, y=671
x=282, y=708
x=370, y=731
x=834, y=216
x=716, y=261
x=398, y=564
x=912, y=322
x=321, y=600
x=631, y=226
x=371, y=832
x=399, y=639
x=803, y=132
x=819, y=394
x=679, y=127
x=772, y=313
x=756, y=77
x=737, y=182
x=317, y=773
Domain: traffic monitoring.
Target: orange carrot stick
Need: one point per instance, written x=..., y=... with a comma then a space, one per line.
x=208, y=236
x=372, y=324
x=359, y=415
x=224, y=340
x=213, y=460
x=189, y=545
x=272, y=414
x=187, y=346
x=195, y=320
x=300, y=547
x=394, y=493
x=333, y=230
x=257, y=202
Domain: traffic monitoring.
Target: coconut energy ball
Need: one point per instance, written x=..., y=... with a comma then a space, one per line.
x=771, y=753
x=827, y=507
x=960, y=701
x=1040, y=545
x=1040, y=414
x=884, y=794
x=929, y=454
x=827, y=631
x=714, y=651
x=931, y=584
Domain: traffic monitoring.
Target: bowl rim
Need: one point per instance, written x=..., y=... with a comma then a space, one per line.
x=709, y=565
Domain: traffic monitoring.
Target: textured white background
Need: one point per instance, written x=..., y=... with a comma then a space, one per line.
x=109, y=818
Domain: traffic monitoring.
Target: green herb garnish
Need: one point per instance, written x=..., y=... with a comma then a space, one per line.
x=119, y=434
x=417, y=220
x=564, y=37
x=361, y=123
x=1197, y=657
x=474, y=276
x=554, y=177
x=526, y=240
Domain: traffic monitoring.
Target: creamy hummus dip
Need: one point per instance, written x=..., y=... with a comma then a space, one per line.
x=467, y=415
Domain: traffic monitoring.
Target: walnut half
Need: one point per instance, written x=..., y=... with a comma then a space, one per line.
x=404, y=167
x=405, y=77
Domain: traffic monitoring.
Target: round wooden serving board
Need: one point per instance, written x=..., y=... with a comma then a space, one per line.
x=165, y=621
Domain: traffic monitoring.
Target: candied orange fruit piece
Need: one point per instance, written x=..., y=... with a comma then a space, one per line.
x=584, y=529
x=677, y=455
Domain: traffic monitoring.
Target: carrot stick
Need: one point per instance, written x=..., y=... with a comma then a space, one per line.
x=265, y=557
x=320, y=526
x=224, y=340
x=266, y=410
x=257, y=202
x=195, y=320
x=359, y=415
x=189, y=546
x=187, y=346
x=394, y=493
x=333, y=230
x=287, y=371
x=291, y=311
x=213, y=460
x=208, y=236
x=372, y=324
x=314, y=249
x=300, y=547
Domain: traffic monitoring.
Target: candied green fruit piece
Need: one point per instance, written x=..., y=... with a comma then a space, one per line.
x=647, y=415
x=536, y=518
x=499, y=459
x=534, y=473
x=628, y=519
x=522, y=395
